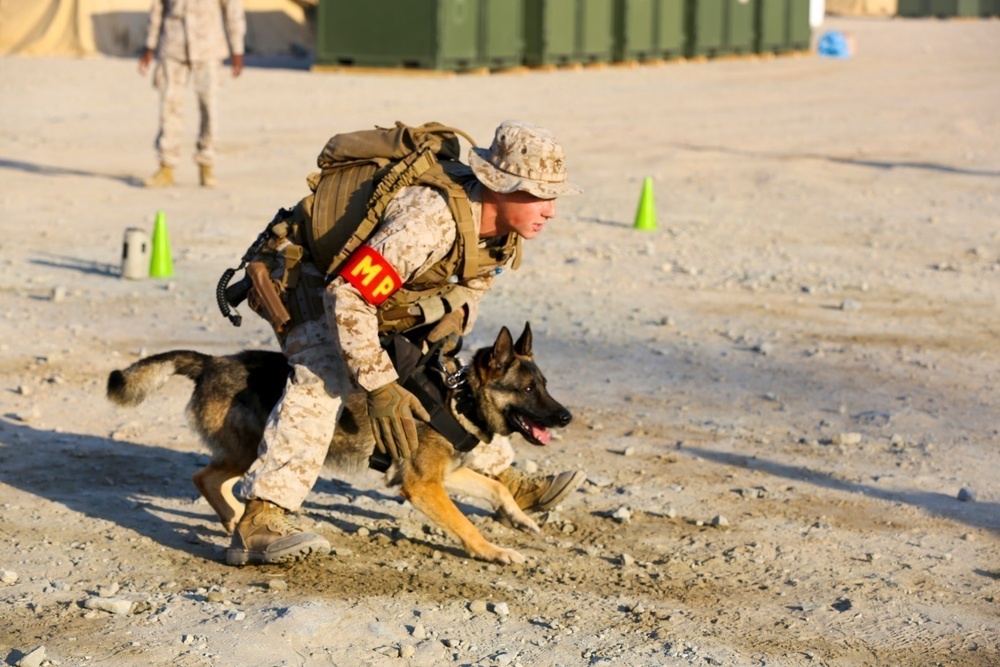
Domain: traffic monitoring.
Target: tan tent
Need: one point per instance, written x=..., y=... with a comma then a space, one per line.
x=862, y=7
x=118, y=27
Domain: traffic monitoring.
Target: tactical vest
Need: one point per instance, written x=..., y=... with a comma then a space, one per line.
x=303, y=248
x=430, y=295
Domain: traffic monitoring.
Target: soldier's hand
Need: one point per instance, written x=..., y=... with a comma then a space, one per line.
x=450, y=327
x=144, y=60
x=393, y=412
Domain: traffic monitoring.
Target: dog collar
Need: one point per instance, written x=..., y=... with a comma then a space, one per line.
x=453, y=380
x=463, y=409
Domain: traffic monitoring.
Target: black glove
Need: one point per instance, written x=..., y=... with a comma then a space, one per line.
x=391, y=410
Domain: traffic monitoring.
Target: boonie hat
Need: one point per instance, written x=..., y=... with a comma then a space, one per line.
x=523, y=157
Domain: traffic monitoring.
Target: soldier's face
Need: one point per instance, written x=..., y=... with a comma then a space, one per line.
x=523, y=213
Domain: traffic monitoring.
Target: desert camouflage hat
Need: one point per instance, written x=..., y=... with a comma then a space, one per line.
x=523, y=157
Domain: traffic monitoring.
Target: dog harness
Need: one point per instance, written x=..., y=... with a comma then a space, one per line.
x=426, y=377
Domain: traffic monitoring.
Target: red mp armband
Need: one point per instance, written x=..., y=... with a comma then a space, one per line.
x=371, y=274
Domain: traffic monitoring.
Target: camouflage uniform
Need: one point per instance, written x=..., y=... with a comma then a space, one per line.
x=341, y=354
x=190, y=38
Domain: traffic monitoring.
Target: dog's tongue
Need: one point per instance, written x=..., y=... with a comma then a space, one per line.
x=540, y=433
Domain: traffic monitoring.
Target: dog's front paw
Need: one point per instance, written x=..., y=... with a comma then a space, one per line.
x=508, y=557
x=495, y=554
x=522, y=521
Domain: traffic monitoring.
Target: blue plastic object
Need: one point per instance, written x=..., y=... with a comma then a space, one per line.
x=833, y=44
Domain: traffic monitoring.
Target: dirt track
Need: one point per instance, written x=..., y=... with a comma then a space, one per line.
x=786, y=386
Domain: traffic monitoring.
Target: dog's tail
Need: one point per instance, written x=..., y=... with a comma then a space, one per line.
x=139, y=381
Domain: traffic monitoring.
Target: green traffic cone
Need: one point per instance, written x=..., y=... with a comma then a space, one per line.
x=160, y=264
x=645, y=216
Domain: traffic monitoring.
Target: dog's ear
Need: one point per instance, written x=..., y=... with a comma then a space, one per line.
x=502, y=354
x=523, y=345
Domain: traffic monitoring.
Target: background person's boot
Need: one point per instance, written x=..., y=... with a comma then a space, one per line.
x=537, y=493
x=162, y=178
x=265, y=535
x=207, y=176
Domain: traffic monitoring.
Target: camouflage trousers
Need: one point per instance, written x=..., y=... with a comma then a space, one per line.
x=300, y=427
x=171, y=78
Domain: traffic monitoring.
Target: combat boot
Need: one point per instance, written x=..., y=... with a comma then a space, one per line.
x=161, y=179
x=206, y=175
x=536, y=493
x=265, y=535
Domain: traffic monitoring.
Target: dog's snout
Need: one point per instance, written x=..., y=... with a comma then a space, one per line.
x=563, y=417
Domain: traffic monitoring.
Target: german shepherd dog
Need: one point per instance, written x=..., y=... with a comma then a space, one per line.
x=503, y=392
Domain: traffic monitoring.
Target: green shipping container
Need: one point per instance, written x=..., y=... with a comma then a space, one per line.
x=913, y=8
x=740, y=31
x=799, y=29
x=562, y=32
x=717, y=27
x=948, y=8
x=705, y=27
x=549, y=32
x=501, y=40
x=423, y=34
x=782, y=25
x=635, y=30
x=595, y=31
x=671, y=28
x=772, y=26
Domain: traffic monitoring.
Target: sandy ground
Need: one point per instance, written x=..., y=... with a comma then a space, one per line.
x=780, y=393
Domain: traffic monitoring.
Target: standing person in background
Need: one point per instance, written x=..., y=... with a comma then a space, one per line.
x=190, y=39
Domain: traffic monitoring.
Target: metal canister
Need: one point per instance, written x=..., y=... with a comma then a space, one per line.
x=135, y=254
